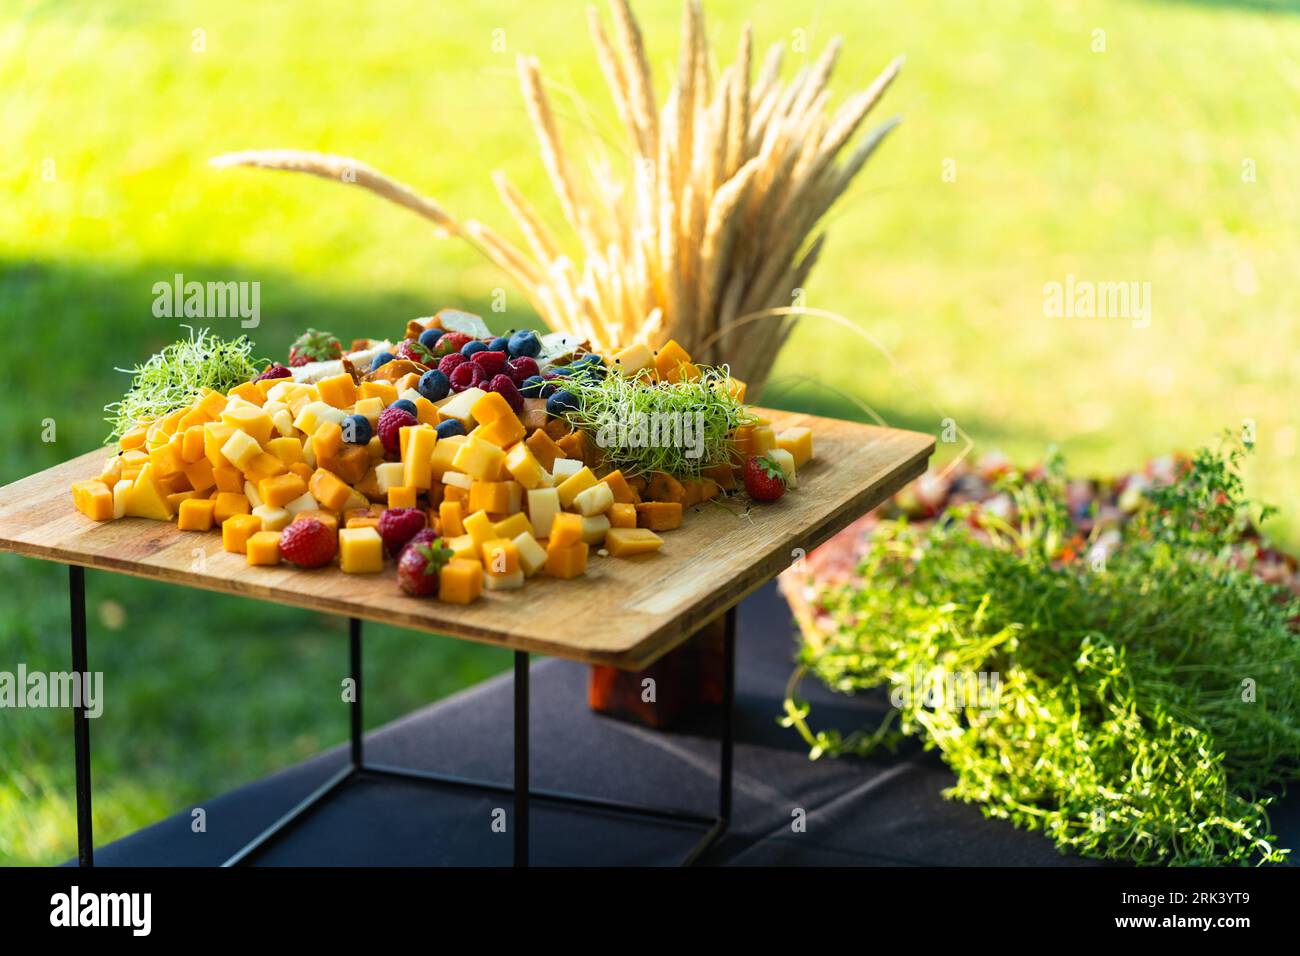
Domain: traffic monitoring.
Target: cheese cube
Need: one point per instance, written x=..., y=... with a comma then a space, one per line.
x=230, y=504
x=633, y=359
x=504, y=582
x=264, y=465
x=489, y=407
x=121, y=494
x=93, y=499
x=460, y=581
x=500, y=557
x=622, y=515
x=594, y=501
x=389, y=475
x=416, y=459
x=250, y=420
x=326, y=440
x=401, y=497
x=785, y=461
x=594, y=528
x=443, y=454
x=237, y=529
x=288, y=450
x=625, y=542
x=326, y=488
x=166, y=461
x=451, y=515
x=192, y=444
x=459, y=407
x=503, y=432
x=200, y=475
x=251, y=493
x=513, y=525
x=543, y=506
x=659, y=515
x=762, y=439
x=462, y=546
x=146, y=499
x=240, y=449
x=490, y=496
x=272, y=518
x=567, y=561
x=361, y=551
x=384, y=391
x=479, y=527
x=674, y=363
x=369, y=409
x=523, y=466
x=566, y=530
x=315, y=412
x=565, y=468
x=304, y=502
x=338, y=390
x=571, y=487
x=263, y=548
x=228, y=478
x=457, y=479
x=132, y=439
x=250, y=392
x=532, y=556
x=799, y=443
x=196, y=514
x=544, y=449
x=479, y=459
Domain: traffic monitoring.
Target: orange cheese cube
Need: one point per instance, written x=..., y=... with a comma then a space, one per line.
x=490, y=407
x=384, y=391
x=132, y=439
x=361, y=551
x=625, y=542
x=228, y=478
x=326, y=440
x=659, y=515
x=231, y=504
x=544, y=449
x=566, y=561
x=566, y=530
x=263, y=548
x=451, y=514
x=417, y=456
x=503, y=432
x=623, y=492
x=93, y=499
x=237, y=529
x=622, y=515
x=500, y=556
x=192, y=444
x=196, y=514
x=490, y=496
x=212, y=403
x=249, y=392
x=401, y=497
x=165, y=461
x=460, y=581
x=362, y=521
x=279, y=490
x=668, y=360
x=338, y=390
x=456, y=493
x=327, y=489
x=195, y=416
x=200, y=475
x=262, y=466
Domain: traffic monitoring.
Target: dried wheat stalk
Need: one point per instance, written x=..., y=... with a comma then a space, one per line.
x=707, y=238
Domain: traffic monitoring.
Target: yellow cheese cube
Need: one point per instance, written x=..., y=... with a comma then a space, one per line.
x=489, y=407
x=503, y=432
x=479, y=527
x=338, y=390
x=633, y=359
x=288, y=450
x=451, y=515
x=763, y=439
x=240, y=449
x=211, y=403
x=799, y=443
x=463, y=547
x=458, y=407
x=263, y=548
x=504, y=582
x=237, y=529
x=543, y=506
x=571, y=487
x=166, y=462
x=532, y=556
x=443, y=454
x=93, y=499
x=147, y=499
x=460, y=581
x=369, y=409
x=230, y=504
x=524, y=466
x=250, y=420
x=490, y=496
x=196, y=514
x=132, y=439
x=121, y=494
x=401, y=497
x=361, y=551
x=215, y=434
x=625, y=542
x=566, y=561
x=593, y=501
x=417, y=456
x=479, y=459
x=386, y=392
x=674, y=363
x=516, y=524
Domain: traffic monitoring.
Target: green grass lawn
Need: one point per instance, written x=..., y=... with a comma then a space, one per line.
x=1167, y=158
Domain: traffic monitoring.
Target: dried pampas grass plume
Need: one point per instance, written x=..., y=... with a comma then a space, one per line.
x=713, y=226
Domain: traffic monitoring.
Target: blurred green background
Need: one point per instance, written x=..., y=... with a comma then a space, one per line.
x=1128, y=141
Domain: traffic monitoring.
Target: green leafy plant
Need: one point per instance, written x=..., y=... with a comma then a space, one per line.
x=171, y=378
x=643, y=427
x=1147, y=705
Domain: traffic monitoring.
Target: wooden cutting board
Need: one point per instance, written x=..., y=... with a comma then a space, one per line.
x=625, y=612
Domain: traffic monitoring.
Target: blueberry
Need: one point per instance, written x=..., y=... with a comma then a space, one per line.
x=560, y=370
x=590, y=370
x=472, y=346
x=357, y=430
x=448, y=428
x=532, y=387
x=383, y=358
x=499, y=344
x=591, y=358
x=525, y=343
x=434, y=385
x=561, y=402
x=406, y=404
x=429, y=337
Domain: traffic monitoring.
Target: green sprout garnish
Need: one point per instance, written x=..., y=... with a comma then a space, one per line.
x=173, y=377
x=643, y=427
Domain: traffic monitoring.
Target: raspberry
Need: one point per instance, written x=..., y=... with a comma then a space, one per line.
x=308, y=543
x=505, y=385
x=492, y=363
x=398, y=525
x=466, y=375
x=391, y=421
x=522, y=369
x=274, y=370
x=447, y=364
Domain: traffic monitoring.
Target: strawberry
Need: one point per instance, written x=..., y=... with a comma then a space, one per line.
x=413, y=351
x=274, y=370
x=398, y=525
x=447, y=364
x=492, y=363
x=450, y=342
x=764, y=479
x=505, y=385
x=308, y=543
x=313, y=346
x=391, y=422
x=418, y=567
x=522, y=369
x=466, y=375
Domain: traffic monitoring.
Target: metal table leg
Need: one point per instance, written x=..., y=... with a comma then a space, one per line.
x=521, y=759
x=81, y=723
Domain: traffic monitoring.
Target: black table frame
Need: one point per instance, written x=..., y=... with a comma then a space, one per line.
x=357, y=768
